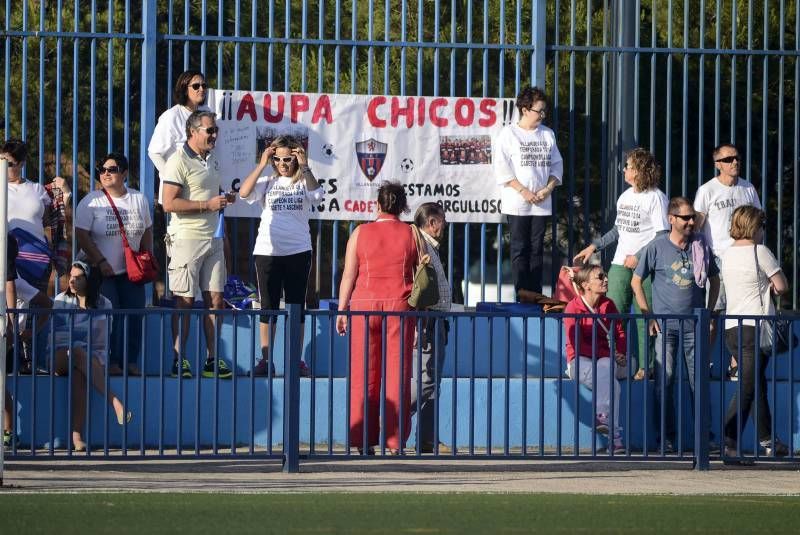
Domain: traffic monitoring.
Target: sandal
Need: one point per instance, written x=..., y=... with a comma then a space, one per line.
x=639, y=375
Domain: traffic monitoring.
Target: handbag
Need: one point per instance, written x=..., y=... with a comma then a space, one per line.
x=425, y=290
x=141, y=265
x=778, y=331
x=33, y=260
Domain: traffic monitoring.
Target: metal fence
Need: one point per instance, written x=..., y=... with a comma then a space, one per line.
x=503, y=392
x=677, y=77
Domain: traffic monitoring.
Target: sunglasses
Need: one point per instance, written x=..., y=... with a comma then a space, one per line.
x=112, y=169
x=196, y=86
x=210, y=130
x=601, y=276
x=728, y=159
x=685, y=217
x=12, y=163
x=542, y=113
x=285, y=159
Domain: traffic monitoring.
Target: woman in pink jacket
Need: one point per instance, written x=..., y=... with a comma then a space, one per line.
x=588, y=347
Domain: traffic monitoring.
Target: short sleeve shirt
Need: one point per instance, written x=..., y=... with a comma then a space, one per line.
x=640, y=215
x=94, y=214
x=718, y=202
x=26, y=205
x=530, y=156
x=198, y=180
x=745, y=286
x=675, y=290
x=284, y=219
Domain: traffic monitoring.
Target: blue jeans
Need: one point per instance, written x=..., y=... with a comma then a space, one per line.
x=124, y=294
x=666, y=352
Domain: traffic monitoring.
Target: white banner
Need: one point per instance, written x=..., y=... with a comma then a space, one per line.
x=439, y=148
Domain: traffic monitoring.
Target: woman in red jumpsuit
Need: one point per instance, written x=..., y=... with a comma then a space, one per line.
x=378, y=274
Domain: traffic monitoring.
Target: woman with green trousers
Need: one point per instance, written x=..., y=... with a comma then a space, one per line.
x=641, y=214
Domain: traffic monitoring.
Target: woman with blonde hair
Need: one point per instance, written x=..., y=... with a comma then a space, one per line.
x=287, y=193
x=752, y=275
x=588, y=348
x=641, y=214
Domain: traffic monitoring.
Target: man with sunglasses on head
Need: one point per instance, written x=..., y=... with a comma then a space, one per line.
x=191, y=186
x=714, y=203
x=682, y=266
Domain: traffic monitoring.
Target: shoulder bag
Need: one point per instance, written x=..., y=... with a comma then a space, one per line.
x=778, y=330
x=621, y=365
x=425, y=291
x=141, y=265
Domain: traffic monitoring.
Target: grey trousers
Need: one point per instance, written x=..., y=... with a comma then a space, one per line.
x=428, y=355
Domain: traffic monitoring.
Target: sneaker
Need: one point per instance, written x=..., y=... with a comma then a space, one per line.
x=186, y=370
x=304, y=370
x=223, y=372
x=733, y=373
x=261, y=368
x=8, y=440
x=601, y=424
x=779, y=449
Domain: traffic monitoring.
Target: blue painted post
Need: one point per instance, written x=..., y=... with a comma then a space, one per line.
x=701, y=394
x=148, y=116
x=291, y=391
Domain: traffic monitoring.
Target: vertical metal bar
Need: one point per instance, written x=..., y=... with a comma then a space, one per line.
x=147, y=118
x=701, y=387
x=291, y=390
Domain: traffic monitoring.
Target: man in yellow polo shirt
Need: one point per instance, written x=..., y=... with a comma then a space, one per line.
x=191, y=186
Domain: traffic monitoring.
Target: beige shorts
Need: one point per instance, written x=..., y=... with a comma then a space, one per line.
x=196, y=264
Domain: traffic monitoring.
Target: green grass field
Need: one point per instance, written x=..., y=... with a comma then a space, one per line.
x=394, y=513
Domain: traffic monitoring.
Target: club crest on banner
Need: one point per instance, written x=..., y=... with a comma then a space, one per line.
x=371, y=155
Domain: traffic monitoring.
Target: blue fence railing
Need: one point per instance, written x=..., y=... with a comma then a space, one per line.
x=503, y=391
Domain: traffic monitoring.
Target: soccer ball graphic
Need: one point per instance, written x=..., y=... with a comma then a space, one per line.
x=407, y=165
x=327, y=150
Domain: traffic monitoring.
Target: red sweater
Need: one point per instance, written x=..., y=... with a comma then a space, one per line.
x=584, y=349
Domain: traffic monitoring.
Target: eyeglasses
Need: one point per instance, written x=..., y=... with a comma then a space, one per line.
x=685, y=217
x=729, y=159
x=210, y=130
x=111, y=170
x=197, y=85
x=285, y=159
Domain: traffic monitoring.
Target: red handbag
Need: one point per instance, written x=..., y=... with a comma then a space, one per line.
x=141, y=265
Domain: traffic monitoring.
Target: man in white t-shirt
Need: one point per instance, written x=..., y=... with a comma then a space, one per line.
x=716, y=200
x=528, y=167
x=714, y=204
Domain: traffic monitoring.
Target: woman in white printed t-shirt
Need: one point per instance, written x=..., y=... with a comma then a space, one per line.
x=752, y=275
x=641, y=214
x=98, y=233
x=283, y=246
x=528, y=167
